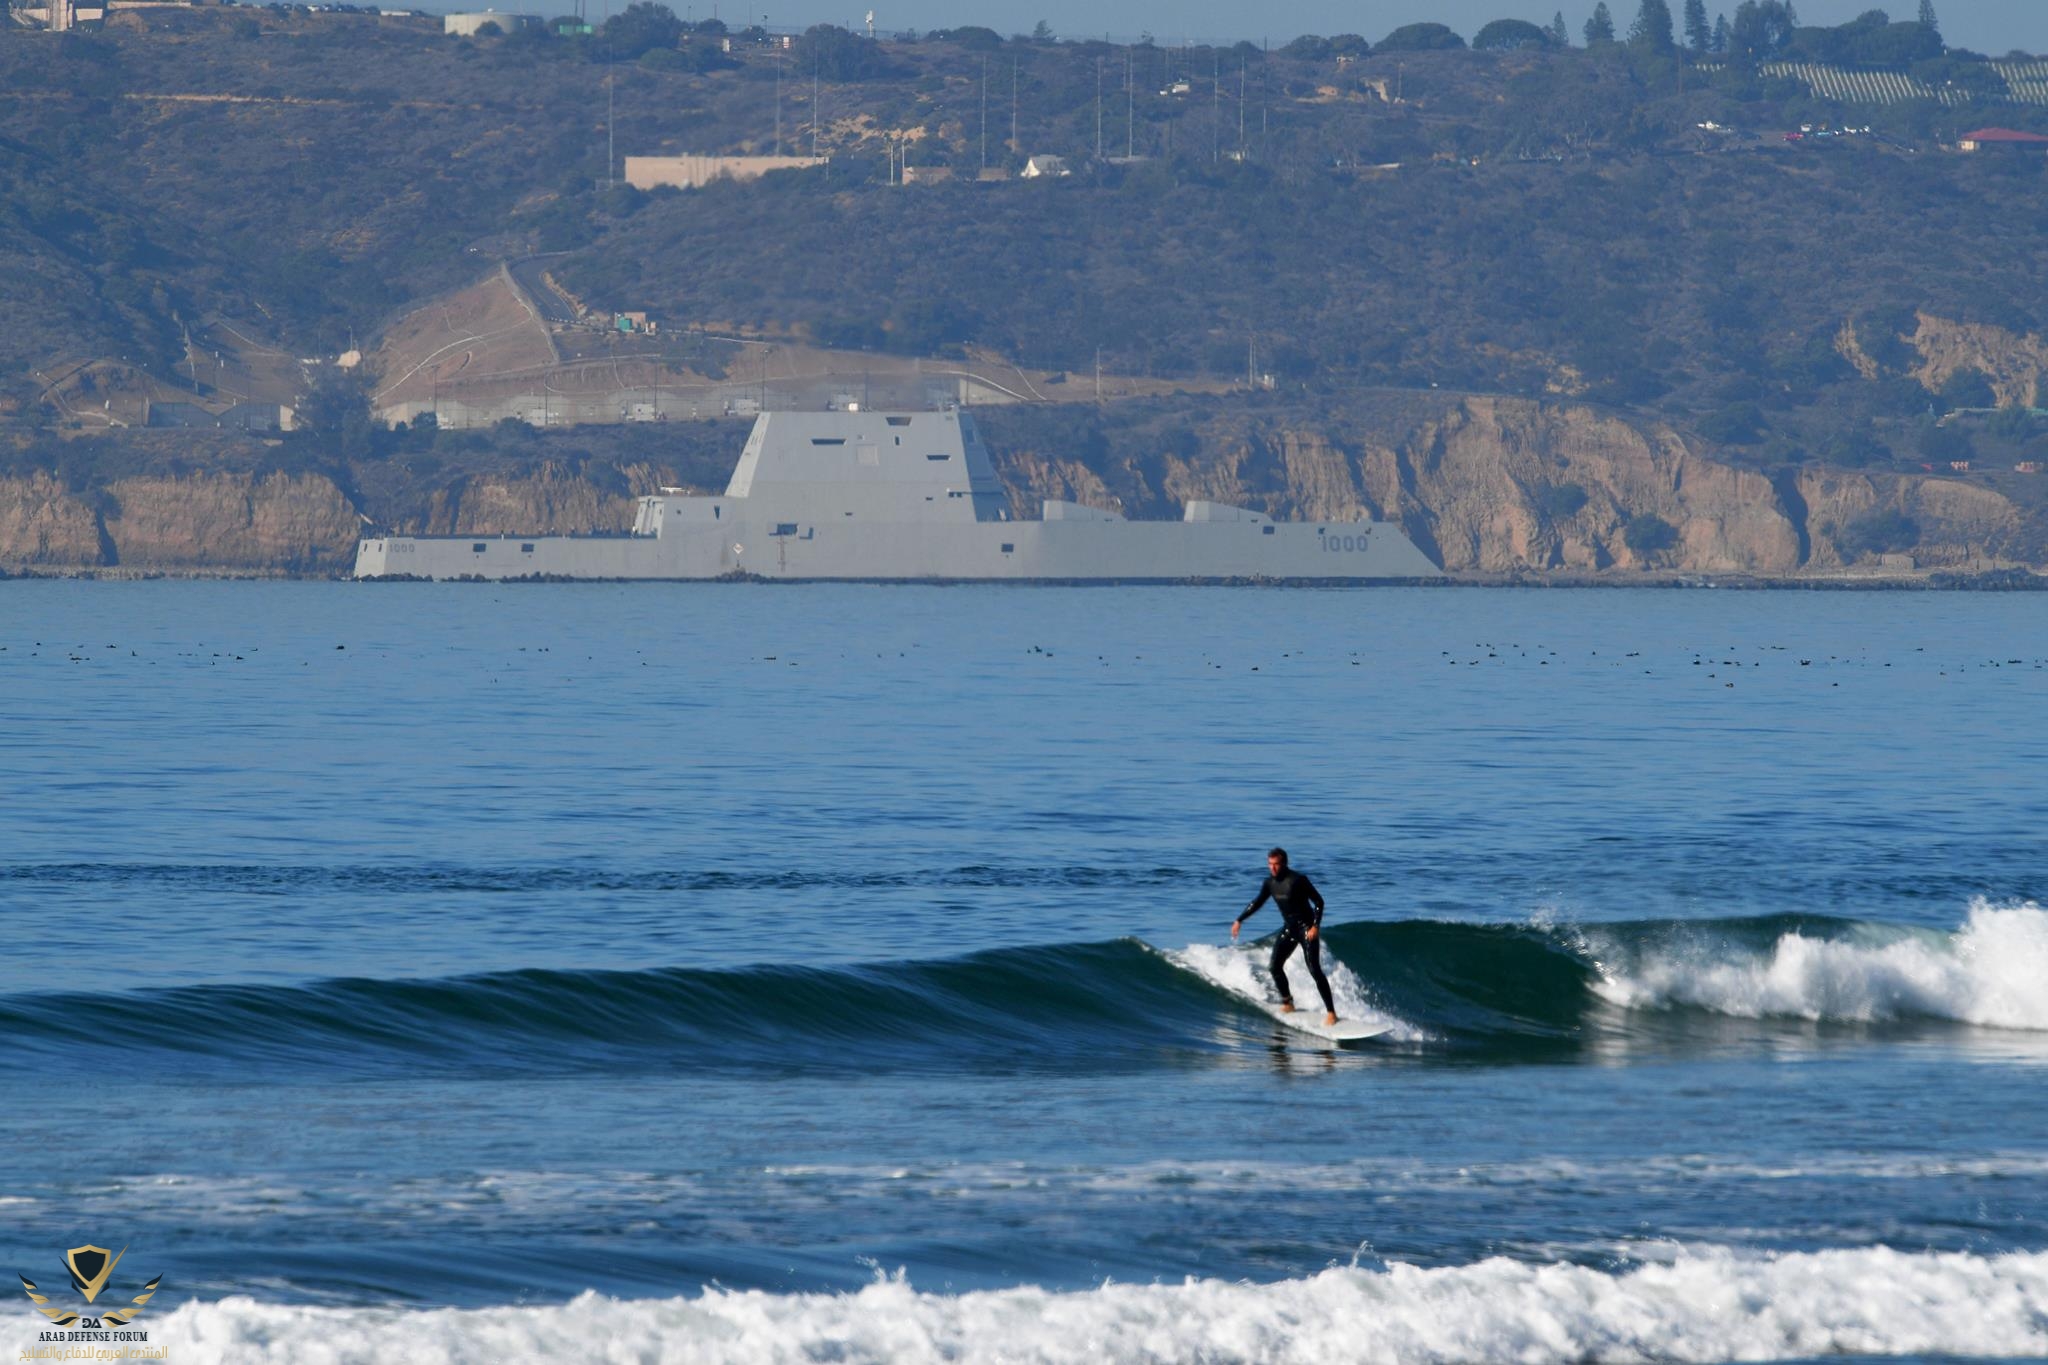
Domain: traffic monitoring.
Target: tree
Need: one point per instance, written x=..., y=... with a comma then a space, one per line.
x=641, y=27
x=1600, y=28
x=1420, y=38
x=1720, y=34
x=1041, y=32
x=1871, y=39
x=1652, y=28
x=1559, y=34
x=1506, y=35
x=973, y=37
x=1927, y=19
x=335, y=412
x=838, y=55
x=1760, y=29
x=1699, y=36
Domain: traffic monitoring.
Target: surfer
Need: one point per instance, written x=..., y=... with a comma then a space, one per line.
x=1301, y=907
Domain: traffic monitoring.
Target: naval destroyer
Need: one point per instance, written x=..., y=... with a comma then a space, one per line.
x=903, y=495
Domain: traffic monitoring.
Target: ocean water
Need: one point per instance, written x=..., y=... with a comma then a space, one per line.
x=689, y=972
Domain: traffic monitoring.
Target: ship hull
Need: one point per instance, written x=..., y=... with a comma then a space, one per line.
x=1024, y=551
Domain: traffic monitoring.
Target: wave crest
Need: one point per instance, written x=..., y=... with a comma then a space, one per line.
x=1990, y=972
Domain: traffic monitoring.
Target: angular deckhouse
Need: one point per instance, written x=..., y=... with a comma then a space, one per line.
x=871, y=495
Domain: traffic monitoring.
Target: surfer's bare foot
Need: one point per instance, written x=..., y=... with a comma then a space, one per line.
x=1287, y=1007
x=1330, y=1018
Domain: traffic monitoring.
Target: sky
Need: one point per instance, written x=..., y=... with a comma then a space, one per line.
x=1993, y=26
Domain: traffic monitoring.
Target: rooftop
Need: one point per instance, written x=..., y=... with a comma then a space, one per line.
x=2003, y=135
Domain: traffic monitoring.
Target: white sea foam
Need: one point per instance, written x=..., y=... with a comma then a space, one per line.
x=1696, y=1305
x=1243, y=972
x=1993, y=971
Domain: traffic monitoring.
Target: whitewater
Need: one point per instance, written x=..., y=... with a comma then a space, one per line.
x=1992, y=972
x=1693, y=1304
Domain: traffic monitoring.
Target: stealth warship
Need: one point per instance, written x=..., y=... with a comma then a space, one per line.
x=904, y=495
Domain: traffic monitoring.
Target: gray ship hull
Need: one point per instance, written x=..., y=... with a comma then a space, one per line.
x=880, y=497
x=1023, y=550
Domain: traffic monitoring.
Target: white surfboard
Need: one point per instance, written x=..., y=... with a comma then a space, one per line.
x=1241, y=971
x=1309, y=1019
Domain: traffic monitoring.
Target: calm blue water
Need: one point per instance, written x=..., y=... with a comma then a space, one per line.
x=421, y=946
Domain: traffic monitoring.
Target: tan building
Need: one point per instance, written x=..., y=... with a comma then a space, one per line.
x=468, y=25
x=693, y=172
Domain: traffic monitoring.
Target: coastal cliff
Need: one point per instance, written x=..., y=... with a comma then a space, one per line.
x=1487, y=486
x=1494, y=486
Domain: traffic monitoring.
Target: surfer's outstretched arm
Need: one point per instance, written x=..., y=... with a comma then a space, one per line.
x=1265, y=894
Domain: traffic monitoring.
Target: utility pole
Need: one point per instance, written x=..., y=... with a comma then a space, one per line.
x=1216, y=106
x=1015, y=145
x=1130, y=110
x=610, y=104
x=814, y=112
x=778, y=104
x=984, y=111
x=1098, y=108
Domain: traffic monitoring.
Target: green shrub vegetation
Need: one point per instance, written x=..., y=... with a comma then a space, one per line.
x=1648, y=534
x=1883, y=531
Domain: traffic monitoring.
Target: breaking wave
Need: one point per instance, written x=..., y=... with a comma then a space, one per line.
x=1704, y=1304
x=1501, y=989
x=1992, y=972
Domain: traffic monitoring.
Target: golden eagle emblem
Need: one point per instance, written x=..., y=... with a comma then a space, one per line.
x=91, y=1267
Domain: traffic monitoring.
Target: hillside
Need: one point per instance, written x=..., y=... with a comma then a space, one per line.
x=1554, y=228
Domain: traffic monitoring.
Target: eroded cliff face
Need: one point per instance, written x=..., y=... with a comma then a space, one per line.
x=277, y=523
x=1500, y=485
x=1959, y=525
x=42, y=525
x=1492, y=485
x=287, y=523
x=2013, y=363
x=553, y=498
x=1483, y=485
x=284, y=523
x=1503, y=486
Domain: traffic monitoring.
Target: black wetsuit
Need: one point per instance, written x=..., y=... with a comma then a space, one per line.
x=1301, y=906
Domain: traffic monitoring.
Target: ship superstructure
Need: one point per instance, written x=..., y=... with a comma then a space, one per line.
x=909, y=495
